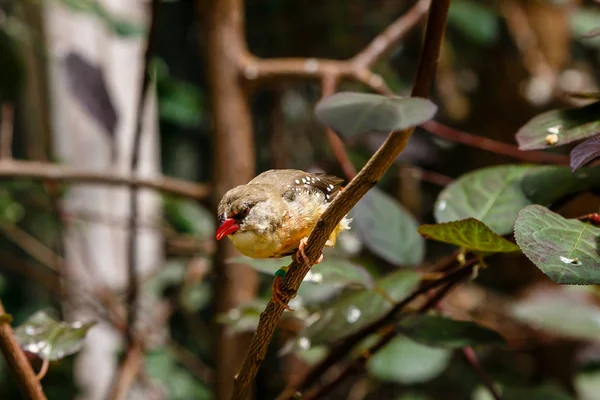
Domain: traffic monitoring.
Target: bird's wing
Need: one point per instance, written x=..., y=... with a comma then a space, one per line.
x=289, y=181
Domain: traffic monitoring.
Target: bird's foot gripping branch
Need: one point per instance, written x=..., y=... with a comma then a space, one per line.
x=318, y=196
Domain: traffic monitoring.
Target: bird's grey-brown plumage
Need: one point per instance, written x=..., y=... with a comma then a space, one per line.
x=277, y=209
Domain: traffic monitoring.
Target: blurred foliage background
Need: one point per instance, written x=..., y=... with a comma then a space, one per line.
x=502, y=63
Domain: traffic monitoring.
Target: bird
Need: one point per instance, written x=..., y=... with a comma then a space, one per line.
x=272, y=215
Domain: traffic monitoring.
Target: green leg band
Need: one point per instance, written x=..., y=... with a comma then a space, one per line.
x=281, y=272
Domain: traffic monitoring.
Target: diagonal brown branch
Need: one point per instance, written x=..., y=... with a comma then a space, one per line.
x=356, y=189
x=25, y=377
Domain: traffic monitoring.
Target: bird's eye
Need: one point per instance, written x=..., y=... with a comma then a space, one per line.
x=244, y=212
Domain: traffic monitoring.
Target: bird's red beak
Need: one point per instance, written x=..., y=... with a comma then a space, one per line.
x=227, y=227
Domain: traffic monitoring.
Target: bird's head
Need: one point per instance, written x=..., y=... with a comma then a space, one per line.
x=249, y=208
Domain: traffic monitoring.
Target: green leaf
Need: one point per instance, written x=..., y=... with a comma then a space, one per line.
x=124, y=28
x=50, y=339
x=568, y=125
x=331, y=270
x=407, y=362
x=584, y=20
x=476, y=21
x=387, y=229
x=545, y=392
x=352, y=113
x=243, y=318
x=179, y=102
x=587, y=384
x=470, y=234
x=562, y=316
x=187, y=216
x=545, y=185
x=565, y=250
x=492, y=195
x=359, y=308
x=118, y=25
x=178, y=381
x=438, y=331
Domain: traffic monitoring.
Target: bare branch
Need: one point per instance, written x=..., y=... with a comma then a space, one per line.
x=386, y=40
x=60, y=173
x=493, y=146
x=130, y=368
x=132, y=251
x=29, y=385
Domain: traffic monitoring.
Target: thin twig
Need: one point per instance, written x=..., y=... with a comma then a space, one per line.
x=128, y=372
x=328, y=85
x=356, y=189
x=43, y=370
x=32, y=246
x=491, y=145
x=7, y=118
x=343, y=348
x=41, y=171
x=356, y=68
x=388, y=334
x=18, y=363
x=386, y=40
x=430, y=176
x=132, y=250
x=471, y=358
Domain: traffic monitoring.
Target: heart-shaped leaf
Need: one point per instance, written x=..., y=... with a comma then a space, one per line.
x=387, y=229
x=405, y=361
x=50, y=339
x=558, y=127
x=545, y=185
x=492, y=195
x=359, y=308
x=565, y=250
x=352, y=114
x=438, y=331
x=585, y=152
x=470, y=234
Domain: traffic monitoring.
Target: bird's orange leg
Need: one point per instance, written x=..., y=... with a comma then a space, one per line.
x=301, y=247
x=276, y=296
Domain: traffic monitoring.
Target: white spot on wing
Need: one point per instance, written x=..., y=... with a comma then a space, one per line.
x=297, y=181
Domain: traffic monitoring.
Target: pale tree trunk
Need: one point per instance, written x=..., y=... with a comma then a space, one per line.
x=96, y=253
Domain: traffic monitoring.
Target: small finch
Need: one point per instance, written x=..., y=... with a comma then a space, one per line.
x=273, y=215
